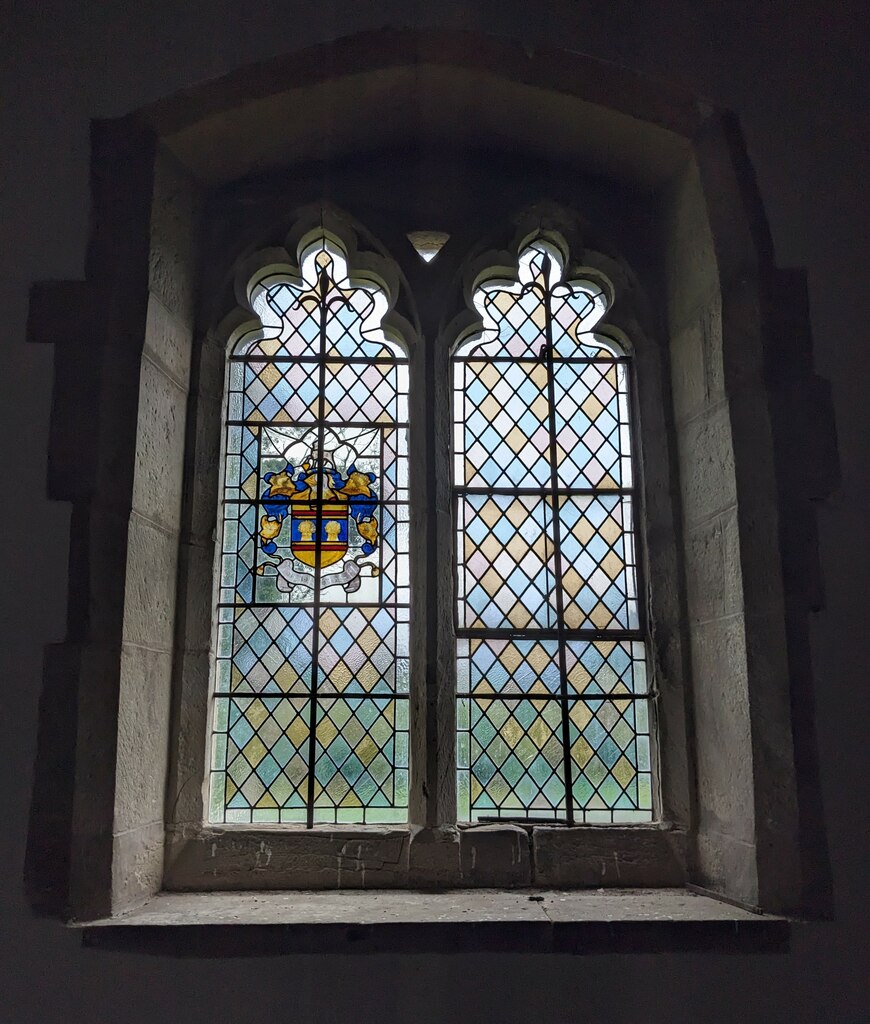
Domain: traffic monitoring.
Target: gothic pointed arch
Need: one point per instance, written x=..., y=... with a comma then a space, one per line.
x=311, y=676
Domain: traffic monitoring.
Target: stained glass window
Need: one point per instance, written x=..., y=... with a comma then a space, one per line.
x=310, y=695
x=553, y=705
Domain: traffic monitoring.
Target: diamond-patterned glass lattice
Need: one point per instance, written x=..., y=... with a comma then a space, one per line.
x=313, y=603
x=361, y=757
x=598, y=570
x=548, y=614
x=610, y=757
x=591, y=424
x=505, y=562
x=501, y=438
x=531, y=667
x=260, y=758
x=510, y=758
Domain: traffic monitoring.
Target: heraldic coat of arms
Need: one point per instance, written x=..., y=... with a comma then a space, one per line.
x=328, y=516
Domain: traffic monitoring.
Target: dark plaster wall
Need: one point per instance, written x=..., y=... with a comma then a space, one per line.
x=797, y=75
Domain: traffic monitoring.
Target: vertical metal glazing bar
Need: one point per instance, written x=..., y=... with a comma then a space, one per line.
x=557, y=542
x=323, y=281
x=236, y=559
x=642, y=596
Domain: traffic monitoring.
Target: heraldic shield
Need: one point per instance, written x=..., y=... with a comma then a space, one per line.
x=333, y=531
x=323, y=504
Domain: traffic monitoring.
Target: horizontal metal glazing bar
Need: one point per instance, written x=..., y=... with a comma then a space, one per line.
x=308, y=604
x=554, y=633
x=508, y=820
x=317, y=502
x=317, y=359
x=545, y=492
x=321, y=695
x=570, y=698
x=313, y=424
x=532, y=360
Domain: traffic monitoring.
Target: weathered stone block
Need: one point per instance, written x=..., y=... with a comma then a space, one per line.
x=706, y=464
x=688, y=377
x=90, y=880
x=263, y=858
x=143, y=737
x=696, y=361
x=495, y=856
x=117, y=408
x=692, y=278
x=749, y=414
x=732, y=577
x=137, y=865
x=149, y=601
x=773, y=760
x=212, y=369
x=722, y=728
x=608, y=856
x=669, y=711
x=197, y=569
x=97, y=573
x=173, y=221
x=204, y=467
x=191, y=752
x=168, y=341
x=159, y=447
x=727, y=865
x=712, y=338
x=434, y=857
x=766, y=656
x=714, y=585
x=98, y=667
x=720, y=158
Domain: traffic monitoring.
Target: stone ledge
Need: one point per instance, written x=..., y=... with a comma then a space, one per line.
x=545, y=921
x=261, y=857
x=498, y=855
x=609, y=856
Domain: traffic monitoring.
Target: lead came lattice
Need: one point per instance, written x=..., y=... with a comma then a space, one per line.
x=553, y=698
x=311, y=676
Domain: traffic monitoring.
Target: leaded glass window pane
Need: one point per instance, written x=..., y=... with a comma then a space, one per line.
x=310, y=701
x=553, y=711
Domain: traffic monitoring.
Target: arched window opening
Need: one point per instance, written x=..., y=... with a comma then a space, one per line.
x=133, y=694
x=553, y=712
x=311, y=679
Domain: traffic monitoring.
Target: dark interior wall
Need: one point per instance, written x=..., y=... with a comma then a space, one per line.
x=796, y=74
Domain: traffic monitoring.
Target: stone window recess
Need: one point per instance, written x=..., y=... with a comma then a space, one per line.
x=651, y=191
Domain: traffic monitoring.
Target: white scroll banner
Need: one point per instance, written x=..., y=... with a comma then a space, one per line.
x=288, y=576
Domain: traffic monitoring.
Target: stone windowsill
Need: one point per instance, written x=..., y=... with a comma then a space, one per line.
x=495, y=856
x=577, y=922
